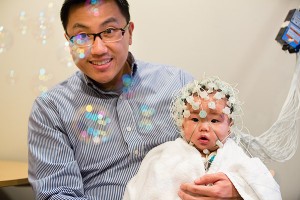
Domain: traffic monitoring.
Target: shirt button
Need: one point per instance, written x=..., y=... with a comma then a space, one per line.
x=128, y=128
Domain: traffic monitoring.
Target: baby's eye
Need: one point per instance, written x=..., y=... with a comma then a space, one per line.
x=214, y=120
x=195, y=119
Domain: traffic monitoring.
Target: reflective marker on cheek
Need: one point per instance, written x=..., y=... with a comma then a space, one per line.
x=219, y=143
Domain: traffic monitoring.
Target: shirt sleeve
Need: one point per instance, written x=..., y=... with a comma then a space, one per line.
x=186, y=77
x=53, y=171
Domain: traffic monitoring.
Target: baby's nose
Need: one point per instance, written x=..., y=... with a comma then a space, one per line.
x=204, y=125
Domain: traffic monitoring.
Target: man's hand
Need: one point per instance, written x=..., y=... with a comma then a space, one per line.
x=210, y=186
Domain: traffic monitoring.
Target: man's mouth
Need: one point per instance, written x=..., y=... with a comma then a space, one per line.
x=102, y=62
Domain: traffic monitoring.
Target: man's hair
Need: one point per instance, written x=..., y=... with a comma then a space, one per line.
x=65, y=9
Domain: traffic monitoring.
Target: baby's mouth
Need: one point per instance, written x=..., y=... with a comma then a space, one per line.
x=203, y=138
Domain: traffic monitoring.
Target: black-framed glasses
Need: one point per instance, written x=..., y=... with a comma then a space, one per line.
x=108, y=35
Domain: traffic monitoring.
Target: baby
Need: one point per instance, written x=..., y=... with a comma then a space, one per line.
x=206, y=113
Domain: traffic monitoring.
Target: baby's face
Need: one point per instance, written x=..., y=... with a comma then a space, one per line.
x=207, y=124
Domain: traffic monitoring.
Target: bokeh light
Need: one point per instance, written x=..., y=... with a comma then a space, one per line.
x=92, y=124
x=6, y=39
x=127, y=81
x=80, y=52
x=43, y=26
x=12, y=77
x=64, y=56
x=23, y=23
x=42, y=81
x=147, y=114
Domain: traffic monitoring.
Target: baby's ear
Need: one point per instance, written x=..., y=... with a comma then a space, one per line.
x=182, y=124
x=231, y=122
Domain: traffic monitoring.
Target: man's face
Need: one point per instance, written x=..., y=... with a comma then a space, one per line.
x=103, y=62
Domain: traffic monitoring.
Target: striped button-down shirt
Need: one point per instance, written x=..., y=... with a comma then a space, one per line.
x=85, y=143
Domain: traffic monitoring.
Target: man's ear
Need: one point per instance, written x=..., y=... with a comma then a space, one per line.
x=130, y=30
x=67, y=38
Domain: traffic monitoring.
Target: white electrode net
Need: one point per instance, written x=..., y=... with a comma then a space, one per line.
x=280, y=141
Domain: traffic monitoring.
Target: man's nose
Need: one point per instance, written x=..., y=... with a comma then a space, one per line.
x=98, y=47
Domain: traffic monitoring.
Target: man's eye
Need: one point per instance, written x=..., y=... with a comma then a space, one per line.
x=80, y=38
x=109, y=31
x=82, y=35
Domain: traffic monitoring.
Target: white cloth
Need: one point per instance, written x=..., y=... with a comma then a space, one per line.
x=168, y=165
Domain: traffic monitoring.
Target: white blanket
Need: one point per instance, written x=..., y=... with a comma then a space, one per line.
x=168, y=165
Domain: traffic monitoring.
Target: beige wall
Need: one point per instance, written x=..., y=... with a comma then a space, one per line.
x=233, y=39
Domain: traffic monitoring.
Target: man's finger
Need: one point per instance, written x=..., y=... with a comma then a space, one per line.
x=200, y=190
x=209, y=179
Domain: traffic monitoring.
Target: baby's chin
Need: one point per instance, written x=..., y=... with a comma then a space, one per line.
x=207, y=150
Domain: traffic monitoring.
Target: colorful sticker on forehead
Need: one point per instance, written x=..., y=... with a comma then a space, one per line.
x=91, y=123
x=92, y=8
x=93, y=2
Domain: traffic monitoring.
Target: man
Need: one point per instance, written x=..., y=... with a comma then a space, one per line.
x=89, y=134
